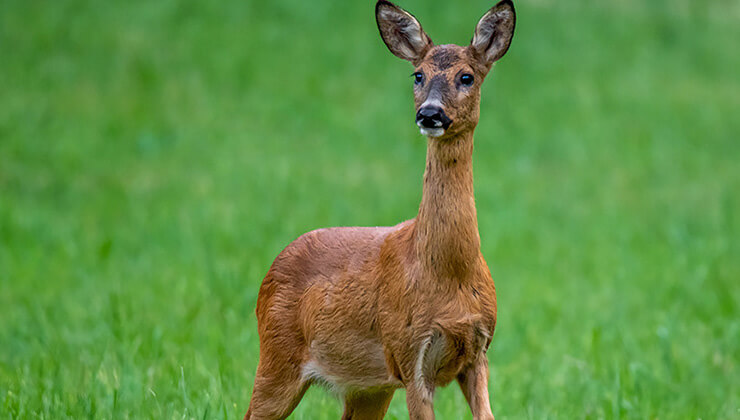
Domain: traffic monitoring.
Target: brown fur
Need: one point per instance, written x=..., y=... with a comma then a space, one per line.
x=369, y=310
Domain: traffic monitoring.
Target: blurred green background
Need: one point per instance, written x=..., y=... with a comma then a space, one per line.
x=155, y=156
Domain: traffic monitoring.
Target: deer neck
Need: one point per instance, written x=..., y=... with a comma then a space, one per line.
x=446, y=239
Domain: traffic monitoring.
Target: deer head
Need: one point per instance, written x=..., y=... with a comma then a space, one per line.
x=447, y=78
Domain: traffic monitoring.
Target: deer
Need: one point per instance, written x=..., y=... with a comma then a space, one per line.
x=366, y=311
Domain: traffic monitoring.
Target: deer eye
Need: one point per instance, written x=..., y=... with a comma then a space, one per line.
x=418, y=78
x=466, y=79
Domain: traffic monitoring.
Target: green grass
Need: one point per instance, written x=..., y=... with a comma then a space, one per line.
x=156, y=156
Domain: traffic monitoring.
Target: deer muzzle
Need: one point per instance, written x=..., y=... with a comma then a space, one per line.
x=432, y=120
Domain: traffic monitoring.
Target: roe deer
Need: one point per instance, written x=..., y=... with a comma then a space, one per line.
x=368, y=310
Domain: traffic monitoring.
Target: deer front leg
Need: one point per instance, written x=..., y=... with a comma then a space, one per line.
x=419, y=401
x=420, y=379
x=474, y=384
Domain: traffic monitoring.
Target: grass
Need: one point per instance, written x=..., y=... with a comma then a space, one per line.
x=156, y=156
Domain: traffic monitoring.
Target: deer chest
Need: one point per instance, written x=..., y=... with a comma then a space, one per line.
x=451, y=347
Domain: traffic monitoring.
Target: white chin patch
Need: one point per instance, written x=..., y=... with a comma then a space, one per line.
x=432, y=132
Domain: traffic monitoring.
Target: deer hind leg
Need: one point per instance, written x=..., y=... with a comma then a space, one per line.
x=278, y=387
x=367, y=405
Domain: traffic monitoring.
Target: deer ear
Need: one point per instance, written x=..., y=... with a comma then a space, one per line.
x=401, y=32
x=494, y=32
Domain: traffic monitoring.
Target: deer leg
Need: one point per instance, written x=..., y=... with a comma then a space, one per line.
x=419, y=399
x=420, y=381
x=277, y=391
x=474, y=384
x=367, y=405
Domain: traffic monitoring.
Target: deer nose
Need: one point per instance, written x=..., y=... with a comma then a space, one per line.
x=432, y=117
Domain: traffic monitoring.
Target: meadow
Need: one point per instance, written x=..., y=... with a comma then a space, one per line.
x=156, y=156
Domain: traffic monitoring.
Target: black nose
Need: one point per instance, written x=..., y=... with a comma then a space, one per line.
x=432, y=117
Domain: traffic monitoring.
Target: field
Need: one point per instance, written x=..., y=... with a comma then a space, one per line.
x=156, y=156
